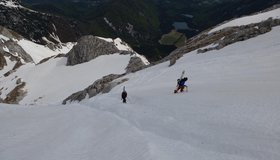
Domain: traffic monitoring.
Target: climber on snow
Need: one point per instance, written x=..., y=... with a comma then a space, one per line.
x=181, y=85
x=124, y=95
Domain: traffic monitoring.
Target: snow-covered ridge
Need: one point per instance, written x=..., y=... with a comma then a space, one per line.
x=39, y=52
x=122, y=46
x=274, y=14
x=118, y=43
x=3, y=38
x=10, y=3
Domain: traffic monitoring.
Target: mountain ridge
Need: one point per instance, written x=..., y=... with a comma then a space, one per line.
x=124, y=19
x=231, y=110
x=90, y=50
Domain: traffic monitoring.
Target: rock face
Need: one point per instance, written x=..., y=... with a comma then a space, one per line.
x=3, y=62
x=17, y=50
x=34, y=25
x=9, y=45
x=9, y=33
x=16, y=95
x=135, y=64
x=103, y=85
x=222, y=38
x=90, y=47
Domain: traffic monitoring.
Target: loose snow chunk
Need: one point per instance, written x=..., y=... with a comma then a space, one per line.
x=275, y=14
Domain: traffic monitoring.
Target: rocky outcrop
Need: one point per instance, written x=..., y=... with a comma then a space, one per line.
x=10, y=48
x=135, y=64
x=16, y=95
x=222, y=38
x=103, y=85
x=3, y=62
x=17, y=50
x=47, y=59
x=35, y=25
x=9, y=33
x=242, y=33
x=90, y=47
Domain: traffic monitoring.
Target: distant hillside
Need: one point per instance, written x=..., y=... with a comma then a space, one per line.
x=142, y=23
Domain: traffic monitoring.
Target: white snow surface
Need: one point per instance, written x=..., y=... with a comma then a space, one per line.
x=2, y=37
x=40, y=52
x=121, y=45
x=51, y=82
x=230, y=112
x=9, y=3
x=275, y=14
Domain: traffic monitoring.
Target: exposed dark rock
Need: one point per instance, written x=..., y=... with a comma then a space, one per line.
x=19, y=81
x=16, y=50
x=60, y=56
x=3, y=62
x=78, y=96
x=88, y=48
x=135, y=64
x=103, y=85
x=9, y=73
x=17, y=65
x=222, y=38
x=48, y=58
x=173, y=59
x=34, y=25
x=9, y=33
x=45, y=60
x=16, y=95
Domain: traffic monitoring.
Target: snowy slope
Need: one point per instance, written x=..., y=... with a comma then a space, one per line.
x=40, y=52
x=274, y=14
x=230, y=112
x=51, y=82
x=36, y=51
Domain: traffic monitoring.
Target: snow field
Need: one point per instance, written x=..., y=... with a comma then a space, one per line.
x=230, y=112
x=275, y=14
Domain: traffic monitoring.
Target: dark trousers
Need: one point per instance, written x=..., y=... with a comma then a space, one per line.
x=124, y=100
x=180, y=88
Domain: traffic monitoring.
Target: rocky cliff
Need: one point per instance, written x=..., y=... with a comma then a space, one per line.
x=39, y=27
x=207, y=41
x=88, y=48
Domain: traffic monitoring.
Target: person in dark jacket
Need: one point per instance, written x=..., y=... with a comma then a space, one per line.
x=124, y=95
x=181, y=84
